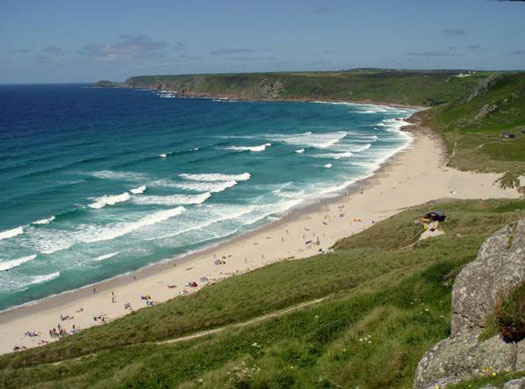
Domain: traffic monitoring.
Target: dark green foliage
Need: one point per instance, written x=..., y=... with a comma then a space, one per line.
x=509, y=315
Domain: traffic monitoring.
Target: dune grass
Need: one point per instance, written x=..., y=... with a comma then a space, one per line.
x=385, y=308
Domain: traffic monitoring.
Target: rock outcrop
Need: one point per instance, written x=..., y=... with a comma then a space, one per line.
x=498, y=269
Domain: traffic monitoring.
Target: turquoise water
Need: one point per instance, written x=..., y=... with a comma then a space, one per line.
x=99, y=182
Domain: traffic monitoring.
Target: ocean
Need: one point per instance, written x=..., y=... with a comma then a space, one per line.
x=100, y=182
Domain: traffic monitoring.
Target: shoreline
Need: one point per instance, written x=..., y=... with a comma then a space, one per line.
x=151, y=269
x=329, y=215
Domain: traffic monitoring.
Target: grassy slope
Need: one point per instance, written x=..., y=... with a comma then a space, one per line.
x=397, y=298
x=473, y=139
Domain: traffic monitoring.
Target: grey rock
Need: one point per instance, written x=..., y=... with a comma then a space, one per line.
x=486, y=110
x=463, y=356
x=496, y=271
x=498, y=268
x=515, y=384
x=483, y=86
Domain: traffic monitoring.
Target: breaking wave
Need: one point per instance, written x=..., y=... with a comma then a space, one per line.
x=44, y=278
x=101, y=202
x=16, y=262
x=138, y=190
x=122, y=176
x=44, y=221
x=197, y=186
x=309, y=139
x=173, y=199
x=216, y=177
x=106, y=256
x=249, y=148
x=11, y=233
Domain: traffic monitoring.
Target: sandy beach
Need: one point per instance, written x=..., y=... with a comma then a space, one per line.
x=414, y=176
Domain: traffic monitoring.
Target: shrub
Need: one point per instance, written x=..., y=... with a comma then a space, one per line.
x=510, y=315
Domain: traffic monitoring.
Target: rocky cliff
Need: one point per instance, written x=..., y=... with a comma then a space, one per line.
x=498, y=269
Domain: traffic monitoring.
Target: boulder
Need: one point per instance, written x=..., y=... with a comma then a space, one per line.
x=498, y=269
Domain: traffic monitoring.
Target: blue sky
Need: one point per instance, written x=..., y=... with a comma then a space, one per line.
x=84, y=41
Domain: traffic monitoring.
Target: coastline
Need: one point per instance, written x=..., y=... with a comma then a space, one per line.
x=411, y=171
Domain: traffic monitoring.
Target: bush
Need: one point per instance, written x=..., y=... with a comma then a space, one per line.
x=510, y=315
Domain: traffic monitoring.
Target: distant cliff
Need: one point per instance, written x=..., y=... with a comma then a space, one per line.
x=420, y=88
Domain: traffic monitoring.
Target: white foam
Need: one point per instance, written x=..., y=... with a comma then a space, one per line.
x=228, y=213
x=289, y=194
x=328, y=165
x=300, y=151
x=123, y=176
x=346, y=154
x=44, y=278
x=309, y=139
x=101, y=202
x=249, y=148
x=173, y=199
x=393, y=124
x=196, y=186
x=216, y=177
x=163, y=155
x=106, y=256
x=11, y=233
x=15, y=262
x=126, y=228
x=44, y=221
x=138, y=190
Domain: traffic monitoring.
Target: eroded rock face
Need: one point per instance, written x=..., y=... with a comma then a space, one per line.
x=497, y=270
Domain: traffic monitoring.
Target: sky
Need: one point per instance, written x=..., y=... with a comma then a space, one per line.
x=57, y=41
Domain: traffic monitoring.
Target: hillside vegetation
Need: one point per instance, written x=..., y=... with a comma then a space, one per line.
x=400, y=87
x=471, y=126
x=387, y=301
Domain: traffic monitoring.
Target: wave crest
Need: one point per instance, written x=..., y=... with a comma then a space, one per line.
x=11, y=233
x=101, y=202
x=16, y=262
x=173, y=199
x=216, y=177
x=249, y=148
x=44, y=221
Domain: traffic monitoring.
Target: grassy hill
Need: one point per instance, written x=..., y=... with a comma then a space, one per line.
x=387, y=300
x=471, y=125
x=423, y=88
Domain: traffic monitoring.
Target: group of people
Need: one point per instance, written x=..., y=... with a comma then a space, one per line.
x=62, y=332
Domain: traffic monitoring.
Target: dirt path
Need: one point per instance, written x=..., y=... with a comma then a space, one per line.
x=243, y=324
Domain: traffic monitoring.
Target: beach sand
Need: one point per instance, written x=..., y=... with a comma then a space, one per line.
x=414, y=176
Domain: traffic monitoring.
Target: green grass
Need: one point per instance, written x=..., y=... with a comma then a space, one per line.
x=497, y=380
x=473, y=139
x=390, y=86
x=396, y=298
